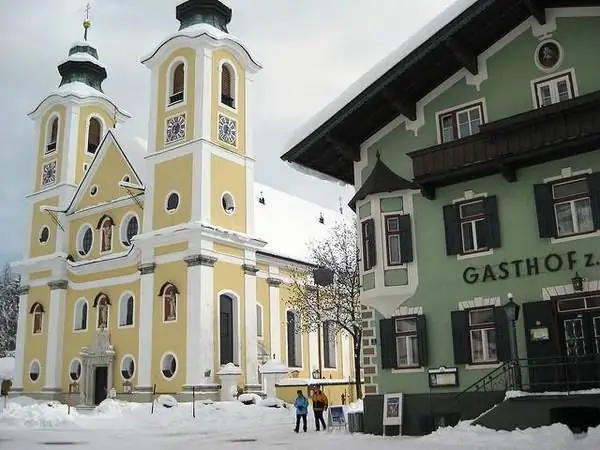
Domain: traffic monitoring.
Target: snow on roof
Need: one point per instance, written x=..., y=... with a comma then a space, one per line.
x=135, y=149
x=82, y=57
x=355, y=89
x=7, y=367
x=290, y=224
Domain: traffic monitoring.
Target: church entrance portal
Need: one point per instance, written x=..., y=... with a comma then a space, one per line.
x=100, y=384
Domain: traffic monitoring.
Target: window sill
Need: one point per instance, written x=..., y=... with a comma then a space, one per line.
x=409, y=370
x=175, y=105
x=228, y=108
x=575, y=237
x=125, y=327
x=475, y=254
x=483, y=366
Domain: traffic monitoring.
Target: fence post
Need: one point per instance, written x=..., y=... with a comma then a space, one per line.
x=153, y=395
x=194, y=402
x=69, y=399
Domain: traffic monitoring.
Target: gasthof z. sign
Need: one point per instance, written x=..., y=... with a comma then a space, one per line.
x=527, y=267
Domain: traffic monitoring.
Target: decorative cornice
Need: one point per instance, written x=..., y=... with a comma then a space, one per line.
x=147, y=268
x=58, y=284
x=200, y=260
x=250, y=269
x=23, y=290
x=274, y=282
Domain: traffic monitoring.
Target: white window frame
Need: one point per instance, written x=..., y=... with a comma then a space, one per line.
x=571, y=202
x=123, y=309
x=48, y=131
x=330, y=346
x=482, y=329
x=103, y=131
x=234, y=86
x=260, y=331
x=408, y=337
x=553, y=80
x=170, y=75
x=455, y=111
x=388, y=245
x=298, y=337
x=472, y=221
x=79, y=303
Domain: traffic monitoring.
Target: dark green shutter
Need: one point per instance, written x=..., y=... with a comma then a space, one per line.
x=544, y=207
x=452, y=230
x=502, y=334
x=460, y=337
x=387, y=341
x=493, y=222
x=406, y=247
x=594, y=187
x=422, y=340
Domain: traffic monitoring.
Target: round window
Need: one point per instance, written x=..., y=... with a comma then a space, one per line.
x=75, y=370
x=86, y=239
x=172, y=202
x=34, y=370
x=548, y=55
x=228, y=203
x=126, y=178
x=44, y=235
x=169, y=366
x=129, y=229
x=127, y=368
x=93, y=190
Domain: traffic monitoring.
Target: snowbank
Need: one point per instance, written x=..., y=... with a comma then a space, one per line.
x=7, y=368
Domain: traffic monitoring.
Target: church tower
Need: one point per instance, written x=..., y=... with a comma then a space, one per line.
x=199, y=130
x=70, y=123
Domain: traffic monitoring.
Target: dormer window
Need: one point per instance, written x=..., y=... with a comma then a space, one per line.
x=227, y=86
x=94, y=135
x=52, y=136
x=261, y=199
x=321, y=218
x=177, y=84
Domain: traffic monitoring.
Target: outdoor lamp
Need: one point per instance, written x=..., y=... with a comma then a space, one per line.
x=316, y=374
x=511, y=309
x=577, y=282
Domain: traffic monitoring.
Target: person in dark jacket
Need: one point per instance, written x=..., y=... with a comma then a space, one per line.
x=301, y=405
x=320, y=404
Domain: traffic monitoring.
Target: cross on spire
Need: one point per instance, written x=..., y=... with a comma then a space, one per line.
x=86, y=22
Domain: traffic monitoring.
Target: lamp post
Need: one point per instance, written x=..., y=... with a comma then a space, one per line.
x=322, y=276
x=577, y=282
x=512, y=314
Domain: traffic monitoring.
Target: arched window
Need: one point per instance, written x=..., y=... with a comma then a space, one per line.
x=94, y=135
x=227, y=86
x=37, y=310
x=177, y=84
x=101, y=303
x=81, y=315
x=52, y=136
x=126, y=310
x=294, y=339
x=105, y=224
x=169, y=293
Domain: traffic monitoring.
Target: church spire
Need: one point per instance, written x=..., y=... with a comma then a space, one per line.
x=82, y=65
x=211, y=12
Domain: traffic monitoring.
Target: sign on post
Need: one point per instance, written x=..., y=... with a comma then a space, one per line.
x=336, y=417
x=392, y=410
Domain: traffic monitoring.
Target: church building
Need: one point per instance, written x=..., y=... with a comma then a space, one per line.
x=153, y=264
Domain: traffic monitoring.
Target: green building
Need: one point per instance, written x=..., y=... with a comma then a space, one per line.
x=474, y=150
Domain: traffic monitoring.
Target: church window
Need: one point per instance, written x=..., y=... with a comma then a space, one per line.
x=102, y=304
x=169, y=292
x=172, y=202
x=37, y=310
x=129, y=228
x=81, y=315
x=228, y=203
x=52, y=136
x=44, y=235
x=294, y=344
x=75, y=370
x=106, y=232
x=85, y=240
x=127, y=368
x=177, y=84
x=227, y=85
x=93, y=190
x=34, y=370
x=168, y=366
x=94, y=135
x=126, y=307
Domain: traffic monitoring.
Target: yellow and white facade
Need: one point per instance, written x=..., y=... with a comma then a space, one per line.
x=153, y=264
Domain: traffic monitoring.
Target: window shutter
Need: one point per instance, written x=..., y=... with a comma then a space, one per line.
x=406, y=247
x=387, y=339
x=460, y=337
x=422, y=337
x=502, y=334
x=370, y=224
x=594, y=187
x=545, y=210
x=493, y=222
x=452, y=230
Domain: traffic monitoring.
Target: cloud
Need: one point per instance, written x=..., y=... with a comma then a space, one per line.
x=311, y=51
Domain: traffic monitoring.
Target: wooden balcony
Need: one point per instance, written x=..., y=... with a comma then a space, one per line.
x=503, y=146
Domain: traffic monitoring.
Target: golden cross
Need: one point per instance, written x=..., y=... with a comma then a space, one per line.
x=86, y=22
x=88, y=7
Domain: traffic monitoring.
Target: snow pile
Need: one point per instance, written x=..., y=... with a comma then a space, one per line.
x=516, y=394
x=28, y=413
x=249, y=399
x=7, y=368
x=357, y=406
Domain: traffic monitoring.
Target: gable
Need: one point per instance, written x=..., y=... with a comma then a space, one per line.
x=100, y=184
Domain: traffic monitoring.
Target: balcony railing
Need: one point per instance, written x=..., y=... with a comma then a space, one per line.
x=571, y=126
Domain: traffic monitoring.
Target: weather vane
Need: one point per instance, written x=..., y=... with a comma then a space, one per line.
x=86, y=23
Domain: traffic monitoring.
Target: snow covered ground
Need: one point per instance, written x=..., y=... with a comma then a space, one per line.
x=26, y=425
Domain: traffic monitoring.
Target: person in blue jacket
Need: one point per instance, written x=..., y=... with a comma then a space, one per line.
x=301, y=405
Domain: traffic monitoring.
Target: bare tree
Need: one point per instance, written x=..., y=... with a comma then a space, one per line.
x=336, y=302
x=9, y=310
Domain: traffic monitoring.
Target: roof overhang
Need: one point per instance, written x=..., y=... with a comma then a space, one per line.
x=333, y=146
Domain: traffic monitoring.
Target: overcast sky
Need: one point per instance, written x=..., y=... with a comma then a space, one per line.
x=311, y=51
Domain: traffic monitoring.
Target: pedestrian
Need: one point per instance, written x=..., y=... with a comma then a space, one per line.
x=301, y=405
x=320, y=404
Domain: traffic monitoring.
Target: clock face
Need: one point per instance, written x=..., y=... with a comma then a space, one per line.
x=227, y=130
x=176, y=128
x=49, y=173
